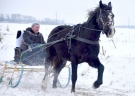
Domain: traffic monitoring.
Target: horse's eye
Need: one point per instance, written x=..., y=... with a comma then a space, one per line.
x=112, y=15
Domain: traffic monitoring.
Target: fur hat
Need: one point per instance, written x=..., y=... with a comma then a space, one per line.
x=34, y=24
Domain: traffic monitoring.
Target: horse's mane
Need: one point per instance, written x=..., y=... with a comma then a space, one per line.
x=92, y=13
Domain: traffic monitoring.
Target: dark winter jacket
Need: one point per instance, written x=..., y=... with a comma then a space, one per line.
x=29, y=37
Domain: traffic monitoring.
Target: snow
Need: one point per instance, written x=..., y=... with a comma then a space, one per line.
x=119, y=62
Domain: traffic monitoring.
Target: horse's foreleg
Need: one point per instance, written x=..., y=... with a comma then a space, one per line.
x=100, y=68
x=74, y=73
x=74, y=76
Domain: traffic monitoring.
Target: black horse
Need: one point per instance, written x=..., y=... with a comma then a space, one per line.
x=79, y=43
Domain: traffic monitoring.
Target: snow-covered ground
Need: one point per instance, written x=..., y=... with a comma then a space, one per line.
x=119, y=62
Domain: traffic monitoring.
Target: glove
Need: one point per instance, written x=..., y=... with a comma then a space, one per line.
x=36, y=45
x=29, y=48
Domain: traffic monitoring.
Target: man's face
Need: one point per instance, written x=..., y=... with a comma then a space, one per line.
x=36, y=28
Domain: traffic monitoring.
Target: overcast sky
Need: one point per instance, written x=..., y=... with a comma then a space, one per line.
x=71, y=11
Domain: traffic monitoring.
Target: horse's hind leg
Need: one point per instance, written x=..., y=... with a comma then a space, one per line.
x=48, y=63
x=100, y=67
x=57, y=68
x=45, y=79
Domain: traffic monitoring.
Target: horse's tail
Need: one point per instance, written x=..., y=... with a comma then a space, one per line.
x=55, y=61
x=50, y=53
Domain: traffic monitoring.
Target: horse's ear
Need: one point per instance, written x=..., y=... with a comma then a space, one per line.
x=109, y=4
x=100, y=4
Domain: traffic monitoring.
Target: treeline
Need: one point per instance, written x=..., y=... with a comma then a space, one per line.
x=18, y=18
x=126, y=26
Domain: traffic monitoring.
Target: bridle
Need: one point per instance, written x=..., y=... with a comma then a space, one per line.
x=100, y=19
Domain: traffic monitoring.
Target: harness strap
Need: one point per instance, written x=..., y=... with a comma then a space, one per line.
x=86, y=40
x=91, y=29
x=69, y=37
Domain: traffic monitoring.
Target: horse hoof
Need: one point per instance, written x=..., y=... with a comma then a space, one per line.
x=96, y=85
x=54, y=86
x=73, y=94
x=44, y=85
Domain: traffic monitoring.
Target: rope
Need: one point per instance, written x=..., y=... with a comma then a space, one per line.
x=19, y=79
x=69, y=76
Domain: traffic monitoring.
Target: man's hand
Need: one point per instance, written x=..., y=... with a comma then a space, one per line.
x=29, y=49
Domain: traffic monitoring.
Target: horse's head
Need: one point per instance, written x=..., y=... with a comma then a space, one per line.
x=105, y=19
